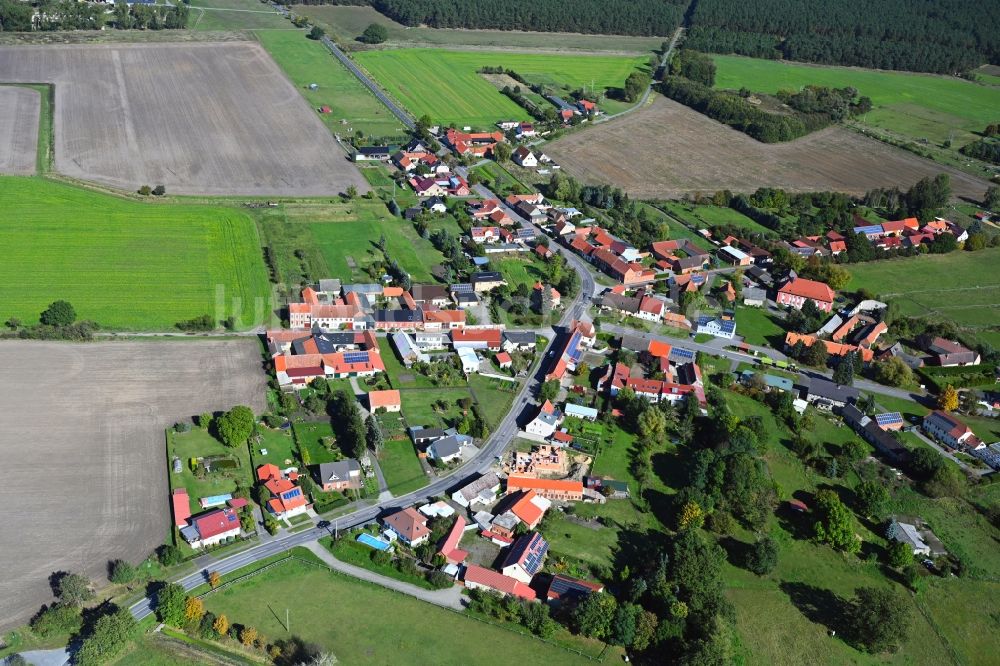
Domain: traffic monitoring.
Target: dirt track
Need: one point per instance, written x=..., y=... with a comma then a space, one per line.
x=18, y=129
x=199, y=118
x=668, y=150
x=82, y=450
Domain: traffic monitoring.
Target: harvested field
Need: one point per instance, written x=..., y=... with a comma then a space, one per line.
x=198, y=118
x=668, y=150
x=83, y=453
x=18, y=129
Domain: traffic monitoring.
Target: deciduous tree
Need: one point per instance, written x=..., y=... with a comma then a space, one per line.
x=235, y=426
x=948, y=400
x=881, y=618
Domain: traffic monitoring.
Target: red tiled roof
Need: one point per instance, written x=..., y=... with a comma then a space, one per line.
x=181, y=505
x=529, y=512
x=452, y=553
x=491, y=336
x=388, y=398
x=504, y=357
x=409, y=523
x=817, y=291
x=517, y=482
x=216, y=522
x=489, y=578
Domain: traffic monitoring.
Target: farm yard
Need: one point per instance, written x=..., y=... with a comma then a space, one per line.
x=666, y=150
x=307, y=61
x=220, y=120
x=125, y=264
x=19, y=109
x=916, y=105
x=446, y=85
x=963, y=287
x=346, y=23
x=83, y=438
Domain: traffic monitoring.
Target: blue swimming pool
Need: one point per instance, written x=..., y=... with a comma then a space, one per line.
x=374, y=542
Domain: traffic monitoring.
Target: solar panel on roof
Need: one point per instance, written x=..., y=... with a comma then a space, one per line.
x=682, y=353
x=356, y=357
x=890, y=417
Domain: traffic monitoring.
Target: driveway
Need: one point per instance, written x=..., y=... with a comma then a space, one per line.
x=447, y=598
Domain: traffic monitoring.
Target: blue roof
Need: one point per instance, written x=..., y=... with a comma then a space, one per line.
x=888, y=418
x=870, y=229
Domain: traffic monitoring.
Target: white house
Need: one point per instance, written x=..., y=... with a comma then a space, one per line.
x=581, y=412
x=546, y=422
x=524, y=157
x=483, y=491
x=720, y=328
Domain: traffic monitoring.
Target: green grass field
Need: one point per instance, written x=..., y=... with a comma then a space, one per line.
x=445, y=84
x=401, y=467
x=306, y=61
x=338, y=239
x=678, y=230
x=759, y=327
x=309, y=437
x=916, y=105
x=126, y=264
x=346, y=23
x=963, y=287
x=709, y=216
x=235, y=15
x=369, y=624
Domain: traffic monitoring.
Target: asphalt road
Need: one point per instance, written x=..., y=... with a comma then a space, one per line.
x=403, y=116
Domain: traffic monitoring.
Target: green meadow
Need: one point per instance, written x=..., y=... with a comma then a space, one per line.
x=306, y=61
x=915, y=105
x=125, y=264
x=446, y=86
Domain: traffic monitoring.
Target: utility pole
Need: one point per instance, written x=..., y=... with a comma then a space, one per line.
x=286, y=621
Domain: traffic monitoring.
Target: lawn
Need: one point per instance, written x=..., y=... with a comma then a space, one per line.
x=446, y=86
x=916, y=105
x=313, y=240
x=307, y=61
x=126, y=264
x=346, y=23
x=401, y=468
x=280, y=446
x=759, y=326
x=310, y=437
x=196, y=444
x=235, y=15
x=369, y=624
x=702, y=216
x=419, y=411
x=963, y=287
x=494, y=397
x=678, y=230
x=520, y=269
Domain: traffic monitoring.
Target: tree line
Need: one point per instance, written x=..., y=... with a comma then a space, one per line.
x=946, y=36
x=609, y=17
x=16, y=16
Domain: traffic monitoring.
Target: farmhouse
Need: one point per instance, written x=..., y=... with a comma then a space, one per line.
x=718, y=327
x=947, y=353
x=950, y=431
x=408, y=351
x=734, y=257
x=868, y=429
x=581, y=337
x=211, y=528
x=479, y=144
x=341, y=475
x=287, y=499
x=797, y=291
x=476, y=577
x=407, y=525
x=564, y=588
x=530, y=508
x=482, y=491
x=482, y=338
x=469, y=359
x=545, y=422
x=430, y=294
x=370, y=153
x=519, y=341
x=555, y=490
x=832, y=348
x=526, y=557
x=486, y=281
x=525, y=158
x=388, y=400
x=825, y=394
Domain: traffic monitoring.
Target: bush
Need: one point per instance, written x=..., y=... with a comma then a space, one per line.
x=159, y=191
x=145, y=190
x=57, y=619
x=168, y=555
x=440, y=580
x=59, y=313
x=762, y=556
x=121, y=572
x=374, y=34
x=317, y=32
x=111, y=635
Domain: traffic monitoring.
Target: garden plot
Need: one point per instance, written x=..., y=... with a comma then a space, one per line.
x=198, y=118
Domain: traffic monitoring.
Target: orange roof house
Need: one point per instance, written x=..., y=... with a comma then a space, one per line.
x=181, y=504
x=796, y=292
x=287, y=498
x=449, y=547
x=409, y=525
x=844, y=329
x=476, y=577
x=530, y=508
x=388, y=400
x=832, y=348
x=553, y=489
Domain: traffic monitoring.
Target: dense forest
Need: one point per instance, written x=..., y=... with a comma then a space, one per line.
x=984, y=149
x=18, y=16
x=946, y=36
x=610, y=17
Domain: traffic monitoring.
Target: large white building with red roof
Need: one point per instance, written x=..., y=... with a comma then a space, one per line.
x=797, y=291
x=477, y=577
